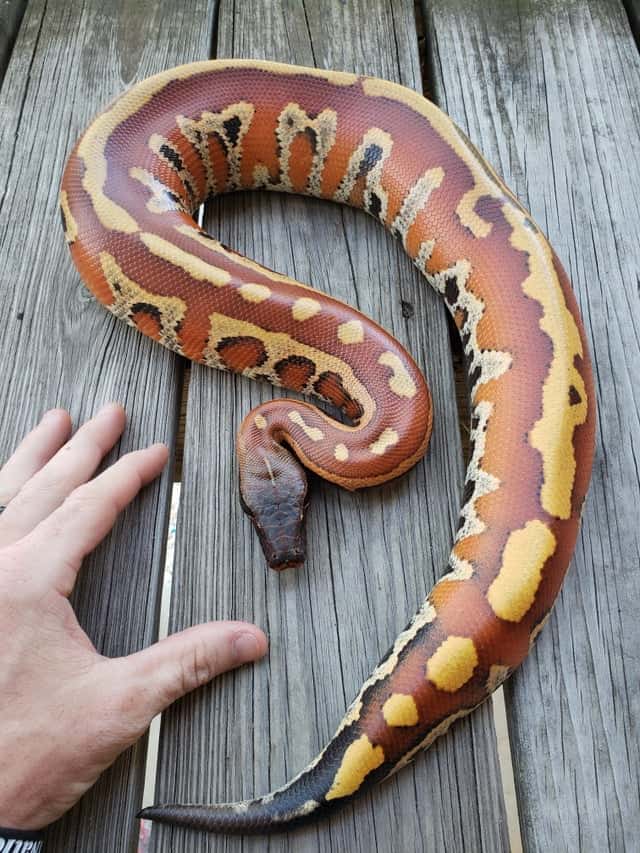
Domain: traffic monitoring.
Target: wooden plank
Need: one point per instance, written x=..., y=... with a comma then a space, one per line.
x=11, y=12
x=372, y=556
x=550, y=92
x=59, y=348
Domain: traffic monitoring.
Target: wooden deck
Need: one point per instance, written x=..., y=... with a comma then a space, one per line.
x=549, y=90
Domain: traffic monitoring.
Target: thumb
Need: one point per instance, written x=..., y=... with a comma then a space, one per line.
x=178, y=664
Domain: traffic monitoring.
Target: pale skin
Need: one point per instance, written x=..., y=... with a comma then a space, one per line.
x=67, y=712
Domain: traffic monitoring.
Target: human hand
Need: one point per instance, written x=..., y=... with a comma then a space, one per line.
x=66, y=712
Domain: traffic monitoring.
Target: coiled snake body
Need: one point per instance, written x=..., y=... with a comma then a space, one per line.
x=128, y=194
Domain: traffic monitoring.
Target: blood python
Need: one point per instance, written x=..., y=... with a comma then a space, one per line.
x=128, y=196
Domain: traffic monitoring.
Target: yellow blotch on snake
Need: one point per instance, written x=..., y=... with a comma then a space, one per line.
x=400, y=709
x=527, y=550
x=452, y=664
x=564, y=395
x=359, y=759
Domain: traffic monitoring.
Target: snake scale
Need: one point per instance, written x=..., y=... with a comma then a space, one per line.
x=128, y=196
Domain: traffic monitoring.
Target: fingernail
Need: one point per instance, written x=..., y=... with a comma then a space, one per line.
x=49, y=416
x=108, y=408
x=245, y=647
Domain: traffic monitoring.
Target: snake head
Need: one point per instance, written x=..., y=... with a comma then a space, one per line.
x=273, y=491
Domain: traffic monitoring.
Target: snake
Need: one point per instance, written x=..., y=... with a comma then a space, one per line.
x=129, y=194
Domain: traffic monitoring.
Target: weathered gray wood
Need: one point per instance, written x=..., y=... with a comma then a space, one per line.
x=372, y=556
x=550, y=91
x=59, y=348
x=11, y=12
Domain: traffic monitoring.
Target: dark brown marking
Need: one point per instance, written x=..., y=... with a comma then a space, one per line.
x=242, y=353
x=329, y=386
x=147, y=319
x=295, y=371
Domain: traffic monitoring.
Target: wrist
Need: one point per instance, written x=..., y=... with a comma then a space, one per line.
x=20, y=840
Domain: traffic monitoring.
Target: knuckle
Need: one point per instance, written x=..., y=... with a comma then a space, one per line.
x=197, y=666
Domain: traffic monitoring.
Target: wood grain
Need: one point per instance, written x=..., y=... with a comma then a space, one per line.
x=11, y=12
x=62, y=349
x=550, y=92
x=372, y=556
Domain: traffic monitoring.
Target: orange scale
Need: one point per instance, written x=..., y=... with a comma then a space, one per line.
x=300, y=161
x=147, y=323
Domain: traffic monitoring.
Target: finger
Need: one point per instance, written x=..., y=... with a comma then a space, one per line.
x=33, y=452
x=88, y=514
x=72, y=465
x=178, y=664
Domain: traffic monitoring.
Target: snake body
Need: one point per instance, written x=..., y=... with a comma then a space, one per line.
x=128, y=196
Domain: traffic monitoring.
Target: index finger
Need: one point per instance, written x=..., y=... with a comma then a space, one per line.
x=87, y=515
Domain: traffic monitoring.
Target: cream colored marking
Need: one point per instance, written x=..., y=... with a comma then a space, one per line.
x=424, y=253
x=260, y=421
x=254, y=292
x=157, y=143
x=198, y=131
x=193, y=232
x=552, y=435
x=415, y=200
x=484, y=483
x=291, y=122
x=436, y=732
x=452, y=664
x=497, y=674
x=191, y=264
x=488, y=364
x=400, y=382
x=359, y=759
x=514, y=590
x=400, y=710
x=305, y=308
x=351, y=332
x=308, y=807
x=91, y=148
x=262, y=179
x=486, y=182
x=533, y=636
x=160, y=201
x=126, y=293
x=279, y=345
x=373, y=180
x=71, y=226
x=314, y=433
x=341, y=452
x=467, y=215
x=387, y=438
x=461, y=570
